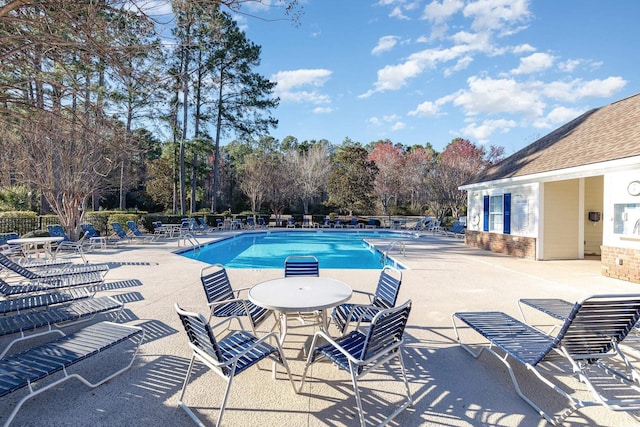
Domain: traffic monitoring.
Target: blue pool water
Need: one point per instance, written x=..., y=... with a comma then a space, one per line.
x=334, y=249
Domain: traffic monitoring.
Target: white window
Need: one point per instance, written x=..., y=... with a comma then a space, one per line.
x=495, y=214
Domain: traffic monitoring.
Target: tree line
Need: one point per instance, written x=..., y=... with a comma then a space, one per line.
x=105, y=104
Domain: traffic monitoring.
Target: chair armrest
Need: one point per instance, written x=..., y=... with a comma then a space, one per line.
x=369, y=294
x=238, y=290
x=223, y=321
x=213, y=305
x=369, y=307
x=226, y=301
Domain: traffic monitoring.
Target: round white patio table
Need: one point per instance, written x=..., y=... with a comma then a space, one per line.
x=300, y=294
x=36, y=245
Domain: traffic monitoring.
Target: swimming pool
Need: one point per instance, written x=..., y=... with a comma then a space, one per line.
x=334, y=249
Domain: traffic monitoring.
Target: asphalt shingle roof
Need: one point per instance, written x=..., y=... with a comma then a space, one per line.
x=603, y=134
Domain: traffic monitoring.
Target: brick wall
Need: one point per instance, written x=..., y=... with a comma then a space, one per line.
x=518, y=246
x=620, y=263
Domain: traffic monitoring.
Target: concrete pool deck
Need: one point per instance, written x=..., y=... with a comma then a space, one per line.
x=449, y=387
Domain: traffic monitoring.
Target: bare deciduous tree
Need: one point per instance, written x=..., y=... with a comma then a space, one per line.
x=58, y=59
x=312, y=169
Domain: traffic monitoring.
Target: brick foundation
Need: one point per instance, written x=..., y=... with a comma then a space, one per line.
x=629, y=269
x=518, y=246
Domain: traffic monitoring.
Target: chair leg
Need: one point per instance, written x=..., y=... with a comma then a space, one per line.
x=184, y=388
x=226, y=394
x=356, y=391
x=285, y=364
x=309, y=361
x=404, y=377
x=405, y=405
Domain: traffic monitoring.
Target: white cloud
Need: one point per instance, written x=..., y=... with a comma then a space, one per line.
x=398, y=126
x=394, y=77
x=462, y=64
x=481, y=133
x=523, y=48
x=288, y=80
x=425, y=109
x=392, y=119
x=557, y=116
x=290, y=84
x=569, y=65
x=397, y=13
x=497, y=15
x=578, y=89
x=312, y=97
x=385, y=44
x=322, y=110
x=439, y=12
x=497, y=96
x=534, y=63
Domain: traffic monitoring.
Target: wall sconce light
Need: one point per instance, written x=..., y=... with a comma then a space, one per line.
x=594, y=216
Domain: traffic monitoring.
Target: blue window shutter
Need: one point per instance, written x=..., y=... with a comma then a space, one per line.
x=486, y=214
x=506, y=223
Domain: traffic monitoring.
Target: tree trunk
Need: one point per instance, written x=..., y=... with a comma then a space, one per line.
x=216, y=157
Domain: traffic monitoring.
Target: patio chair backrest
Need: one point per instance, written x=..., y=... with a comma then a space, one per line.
x=261, y=222
x=188, y=224
x=327, y=222
x=215, y=281
x=89, y=228
x=117, y=228
x=201, y=338
x=386, y=293
x=386, y=330
x=250, y=221
x=456, y=227
x=354, y=221
x=134, y=228
x=7, y=236
x=56, y=230
x=596, y=321
x=301, y=265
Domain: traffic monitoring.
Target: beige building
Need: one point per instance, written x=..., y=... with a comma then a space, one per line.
x=572, y=193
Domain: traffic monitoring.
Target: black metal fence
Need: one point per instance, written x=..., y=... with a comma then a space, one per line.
x=23, y=225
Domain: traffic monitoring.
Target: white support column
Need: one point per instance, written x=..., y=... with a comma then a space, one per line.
x=540, y=225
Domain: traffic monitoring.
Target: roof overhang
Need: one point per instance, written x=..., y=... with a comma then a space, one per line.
x=584, y=171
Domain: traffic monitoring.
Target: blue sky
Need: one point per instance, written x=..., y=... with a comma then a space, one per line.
x=497, y=72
